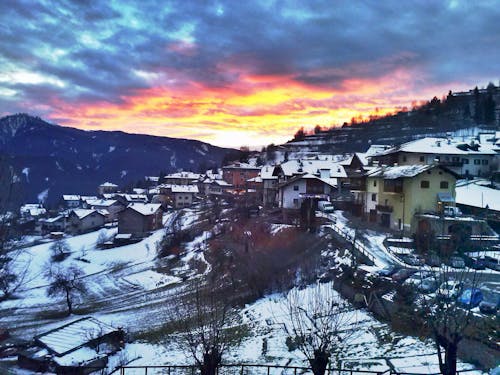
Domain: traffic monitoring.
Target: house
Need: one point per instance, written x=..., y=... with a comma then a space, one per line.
x=107, y=188
x=465, y=158
x=391, y=196
x=237, y=174
x=86, y=342
x=112, y=206
x=215, y=187
x=183, y=195
x=53, y=224
x=71, y=201
x=82, y=220
x=32, y=210
x=126, y=199
x=269, y=186
x=181, y=178
x=140, y=218
x=293, y=192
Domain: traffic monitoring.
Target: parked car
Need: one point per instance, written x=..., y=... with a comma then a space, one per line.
x=491, y=262
x=475, y=263
x=402, y=274
x=450, y=289
x=433, y=260
x=457, y=262
x=423, y=281
x=325, y=206
x=412, y=259
x=452, y=211
x=470, y=297
x=490, y=303
x=388, y=271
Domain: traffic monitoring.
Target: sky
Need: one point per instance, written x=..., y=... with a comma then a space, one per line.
x=235, y=73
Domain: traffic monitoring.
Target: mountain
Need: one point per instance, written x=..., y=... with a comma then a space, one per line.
x=53, y=160
x=462, y=113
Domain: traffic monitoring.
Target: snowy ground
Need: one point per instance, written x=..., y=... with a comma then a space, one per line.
x=127, y=290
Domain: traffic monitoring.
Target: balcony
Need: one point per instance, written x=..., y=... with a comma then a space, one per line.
x=384, y=208
x=393, y=186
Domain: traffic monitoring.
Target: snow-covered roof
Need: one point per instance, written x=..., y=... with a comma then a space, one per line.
x=447, y=146
x=53, y=219
x=308, y=176
x=314, y=167
x=239, y=165
x=133, y=197
x=214, y=176
x=101, y=202
x=185, y=175
x=74, y=335
x=376, y=149
x=266, y=172
x=401, y=171
x=184, y=189
x=32, y=209
x=145, y=208
x=88, y=197
x=108, y=184
x=257, y=179
x=68, y=197
x=475, y=195
x=82, y=213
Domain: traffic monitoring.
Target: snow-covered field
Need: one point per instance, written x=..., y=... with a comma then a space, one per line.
x=127, y=290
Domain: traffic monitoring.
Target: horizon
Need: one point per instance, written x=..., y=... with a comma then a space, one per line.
x=237, y=75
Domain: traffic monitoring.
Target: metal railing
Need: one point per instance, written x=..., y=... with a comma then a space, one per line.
x=239, y=369
x=357, y=244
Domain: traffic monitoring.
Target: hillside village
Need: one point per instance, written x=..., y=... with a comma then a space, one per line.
x=388, y=210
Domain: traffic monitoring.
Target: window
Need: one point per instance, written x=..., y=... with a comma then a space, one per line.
x=455, y=159
x=404, y=158
x=477, y=161
x=443, y=185
x=424, y=184
x=296, y=188
x=484, y=162
x=295, y=202
x=374, y=182
x=374, y=197
x=465, y=161
x=422, y=158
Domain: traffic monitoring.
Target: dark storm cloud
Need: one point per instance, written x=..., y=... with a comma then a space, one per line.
x=97, y=48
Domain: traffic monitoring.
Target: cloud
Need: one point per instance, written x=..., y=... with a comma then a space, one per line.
x=235, y=62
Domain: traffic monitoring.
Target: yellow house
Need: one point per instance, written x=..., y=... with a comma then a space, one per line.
x=393, y=195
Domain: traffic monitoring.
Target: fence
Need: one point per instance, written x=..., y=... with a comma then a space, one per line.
x=358, y=245
x=250, y=369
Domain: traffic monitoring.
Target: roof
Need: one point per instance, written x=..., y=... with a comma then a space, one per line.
x=474, y=195
x=101, y=202
x=83, y=213
x=241, y=166
x=184, y=189
x=447, y=146
x=186, y=175
x=257, y=179
x=54, y=219
x=108, y=184
x=267, y=171
x=74, y=335
x=71, y=197
x=313, y=166
x=145, y=209
x=308, y=176
x=404, y=171
x=33, y=209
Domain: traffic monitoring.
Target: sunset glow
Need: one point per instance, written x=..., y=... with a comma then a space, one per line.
x=222, y=73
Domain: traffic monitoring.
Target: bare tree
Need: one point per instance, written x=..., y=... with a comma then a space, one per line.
x=206, y=323
x=60, y=250
x=447, y=320
x=12, y=274
x=319, y=323
x=66, y=282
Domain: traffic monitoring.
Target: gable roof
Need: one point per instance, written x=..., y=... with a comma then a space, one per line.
x=313, y=167
x=184, y=189
x=404, y=171
x=74, y=335
x=145, y=209
x=308, y=176
x=82, y=213
x=434, y=145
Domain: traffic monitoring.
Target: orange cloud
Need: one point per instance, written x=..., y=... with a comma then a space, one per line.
x=257, y=110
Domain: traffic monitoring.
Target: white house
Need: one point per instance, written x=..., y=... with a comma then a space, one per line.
x=183, y=195
x=85, y=220
x=294, y=191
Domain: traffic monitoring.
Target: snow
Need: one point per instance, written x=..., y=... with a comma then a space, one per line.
x=82, y=213
x=402, y=171
x=74, y=335
x=26, y=172
x=111, y=148
x=145, y=209
x=123, y=173
x=184, y=189
x=149, y=280
x=474, y=195
x=108, y=184
x=432, y=145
